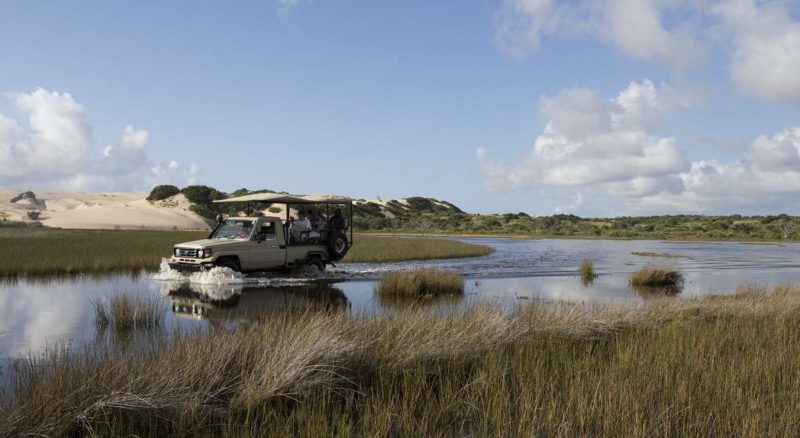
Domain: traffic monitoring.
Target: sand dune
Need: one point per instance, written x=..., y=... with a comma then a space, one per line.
x=102, y=210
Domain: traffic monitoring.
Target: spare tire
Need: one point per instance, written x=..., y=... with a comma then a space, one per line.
x=337, y=246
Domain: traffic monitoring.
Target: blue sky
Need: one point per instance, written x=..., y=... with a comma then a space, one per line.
x=394, y=99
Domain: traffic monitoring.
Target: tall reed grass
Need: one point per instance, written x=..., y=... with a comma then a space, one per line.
x=125, y=312
x=381, y=249
x=587, y=272
x=420, y=283
x=722, y=365
x=655, y=276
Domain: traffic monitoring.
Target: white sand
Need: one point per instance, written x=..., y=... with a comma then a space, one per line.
x=104, y=211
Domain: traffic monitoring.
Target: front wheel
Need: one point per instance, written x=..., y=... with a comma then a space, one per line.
x=317, y=263
x=228, y=263
x=337, y=246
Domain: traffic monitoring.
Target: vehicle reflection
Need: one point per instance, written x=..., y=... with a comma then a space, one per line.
x=248, y=302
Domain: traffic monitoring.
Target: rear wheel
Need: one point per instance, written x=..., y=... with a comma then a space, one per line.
x=337, y=246
x=228, y=263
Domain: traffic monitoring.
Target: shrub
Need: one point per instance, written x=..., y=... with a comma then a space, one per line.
x=163, y=192
x=34, y=215
x=421, y=283
x=656, y=275
x=274, y=209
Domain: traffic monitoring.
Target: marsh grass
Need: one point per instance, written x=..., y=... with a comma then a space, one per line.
x=659, y=254
x=420, y=283
x=126, y=312
x=45, y=251
x=587, y=272
x=655, y=276
x=382, y=249
x=722, y=365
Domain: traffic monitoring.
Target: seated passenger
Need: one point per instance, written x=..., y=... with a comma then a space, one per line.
x=319, y=228
x=300, y=227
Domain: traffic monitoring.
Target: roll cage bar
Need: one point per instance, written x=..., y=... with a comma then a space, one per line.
x=252, y=201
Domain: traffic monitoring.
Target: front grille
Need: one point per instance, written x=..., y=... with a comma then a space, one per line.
x=186, y=252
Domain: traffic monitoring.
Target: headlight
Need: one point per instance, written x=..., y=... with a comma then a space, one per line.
x=206, y=253
x=175, y=251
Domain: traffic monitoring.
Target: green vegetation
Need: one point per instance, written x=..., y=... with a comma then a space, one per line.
x=655, y=276
x=587, y=272
x=163, y=192
x=717, y=366
x=128, y=312
x=420, y=283
x=396, y=217
x=44, y=251
x=658, y=254
x=432, y=216
x=380, y=249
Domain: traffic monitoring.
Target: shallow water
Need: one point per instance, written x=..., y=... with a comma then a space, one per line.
x=35, y=313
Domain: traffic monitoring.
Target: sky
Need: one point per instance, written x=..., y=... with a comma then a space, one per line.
x=590, y=107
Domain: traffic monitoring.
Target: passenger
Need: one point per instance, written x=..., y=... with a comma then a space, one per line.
x=337, y=223
x=301, y=225
x=319, y=228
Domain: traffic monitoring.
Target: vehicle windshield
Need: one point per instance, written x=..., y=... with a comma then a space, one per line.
x=234, y=229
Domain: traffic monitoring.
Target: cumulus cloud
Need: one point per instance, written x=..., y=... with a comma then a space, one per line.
x=634, y=27
x=588, y=140
x=765, y=49
x=761, y=38
x=57, y=150
x=767, y=178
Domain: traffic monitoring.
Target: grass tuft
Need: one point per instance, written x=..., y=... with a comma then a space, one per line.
x=587, y=272
x=656, y=276
x=127, y=312
x=420, y=283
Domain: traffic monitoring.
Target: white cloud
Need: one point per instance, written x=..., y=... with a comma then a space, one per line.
x=766, y=179
x=575, y=201
x=634, y=27
x=58, y=151
x=765, y=51
x=591, y=141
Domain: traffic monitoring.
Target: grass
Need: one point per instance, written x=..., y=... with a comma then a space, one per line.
x=127, y=312
x=659, y=254
x=655, y=276
x=47, y=251
x=381, y=249
x=420, y=283
x=723, y=365
x=587, y=272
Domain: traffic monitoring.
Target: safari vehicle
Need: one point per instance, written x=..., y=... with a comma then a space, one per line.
x=263, y=243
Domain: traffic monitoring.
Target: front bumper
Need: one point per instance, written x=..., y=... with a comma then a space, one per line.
x=189, y=267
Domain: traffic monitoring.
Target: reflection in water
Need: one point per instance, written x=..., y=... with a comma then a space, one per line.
x=242, y=302
x=397, y=302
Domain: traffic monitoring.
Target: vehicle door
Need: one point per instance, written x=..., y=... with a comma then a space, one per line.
x=265, y=247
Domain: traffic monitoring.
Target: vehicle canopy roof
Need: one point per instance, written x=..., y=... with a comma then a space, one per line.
x=285, y=198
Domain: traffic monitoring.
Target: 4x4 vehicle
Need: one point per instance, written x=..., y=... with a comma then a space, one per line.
x=264, y=242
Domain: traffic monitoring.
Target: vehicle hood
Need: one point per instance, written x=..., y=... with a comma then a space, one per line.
x=207, y=243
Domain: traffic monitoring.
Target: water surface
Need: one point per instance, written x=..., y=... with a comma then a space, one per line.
x=35, y=313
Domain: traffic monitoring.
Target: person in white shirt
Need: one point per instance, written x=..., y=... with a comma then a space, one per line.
x=301, y=225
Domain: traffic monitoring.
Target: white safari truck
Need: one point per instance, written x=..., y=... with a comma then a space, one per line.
x=262, y=243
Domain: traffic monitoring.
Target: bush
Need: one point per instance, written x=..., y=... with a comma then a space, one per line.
x=34, y=215
x=163, y=192
x=203, y=198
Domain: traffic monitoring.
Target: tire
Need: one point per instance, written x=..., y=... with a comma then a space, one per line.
x=317, y=262
x=337, y=246
x=228, y=263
